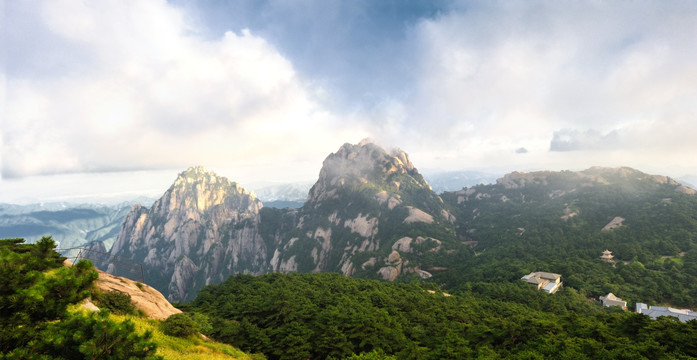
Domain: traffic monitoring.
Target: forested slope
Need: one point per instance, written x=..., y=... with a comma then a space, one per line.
x=318, y=316
x=556, y=221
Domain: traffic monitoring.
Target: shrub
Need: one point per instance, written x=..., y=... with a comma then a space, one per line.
x=201, y=322
x=116, y=301
x=180, y=325
x=35, y=292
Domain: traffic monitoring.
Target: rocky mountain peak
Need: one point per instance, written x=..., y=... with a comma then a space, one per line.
x=201, y=229
x=201, y=189
x=362, y=163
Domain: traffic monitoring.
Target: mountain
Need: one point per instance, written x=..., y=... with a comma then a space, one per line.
x=561, y=222
x=203, y=229
x=70, y=225
x=370, y=214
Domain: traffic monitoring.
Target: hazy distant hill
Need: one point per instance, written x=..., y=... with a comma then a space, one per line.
x=455, y=180
x=689, y=180
x=70, y=225
x=291, y=192
x=280, y=196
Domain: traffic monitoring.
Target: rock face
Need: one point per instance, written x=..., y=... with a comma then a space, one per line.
x=361, y=164
x=615, y=223
x=143, y=297
x=370, y=214
x=206, y=228
x=365, y=200
x=203, y=229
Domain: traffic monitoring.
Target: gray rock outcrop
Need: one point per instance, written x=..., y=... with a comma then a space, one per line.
x=203, y=229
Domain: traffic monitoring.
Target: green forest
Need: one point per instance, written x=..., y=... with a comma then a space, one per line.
x=473, y=306
x=36, y=295
x=330, y=316
x=655, y=248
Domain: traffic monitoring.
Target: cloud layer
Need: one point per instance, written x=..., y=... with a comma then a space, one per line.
x=145, y=91
x=271, y=89
x=582, y=76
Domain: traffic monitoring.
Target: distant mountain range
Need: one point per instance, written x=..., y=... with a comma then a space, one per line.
x=442, y=181
x=70, y=225
x=371, y=214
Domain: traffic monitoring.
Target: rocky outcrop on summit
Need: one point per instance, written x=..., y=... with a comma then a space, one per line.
x=361, y=164
x=203, y=229
x=365, y=200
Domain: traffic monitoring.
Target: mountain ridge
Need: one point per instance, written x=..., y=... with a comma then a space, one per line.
x=367, y=209
x=370, y=214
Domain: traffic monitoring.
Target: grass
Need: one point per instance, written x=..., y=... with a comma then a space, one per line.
x=191, y=348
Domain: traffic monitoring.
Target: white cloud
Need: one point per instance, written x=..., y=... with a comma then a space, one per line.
x=118, y=85
x=574, y=140
x=148, y=92
x=498, y=76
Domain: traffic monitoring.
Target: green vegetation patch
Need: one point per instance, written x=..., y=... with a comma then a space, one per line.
x=329, y=316
x=36, y=290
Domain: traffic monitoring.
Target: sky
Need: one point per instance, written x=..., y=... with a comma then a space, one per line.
x=115, y=97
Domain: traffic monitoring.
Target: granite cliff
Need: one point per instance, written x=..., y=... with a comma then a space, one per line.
x=364, y=216
x=370, y=214
x=203, y=229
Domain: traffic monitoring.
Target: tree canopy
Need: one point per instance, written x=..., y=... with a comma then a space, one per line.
x=36, y=292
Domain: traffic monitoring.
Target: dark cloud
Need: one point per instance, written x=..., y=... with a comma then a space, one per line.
x=574, y=140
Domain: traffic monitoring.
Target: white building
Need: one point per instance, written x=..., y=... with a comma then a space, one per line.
x=611, y=300
x=654, y=312
x=549, y=282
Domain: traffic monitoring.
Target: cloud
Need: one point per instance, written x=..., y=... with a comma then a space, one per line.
x=133, y=85
x=491, y=75
x=572, y=140
x=521, y=151
x=359, y=50
x=119, y=85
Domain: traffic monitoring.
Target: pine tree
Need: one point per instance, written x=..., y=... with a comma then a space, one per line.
x=36, y=290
